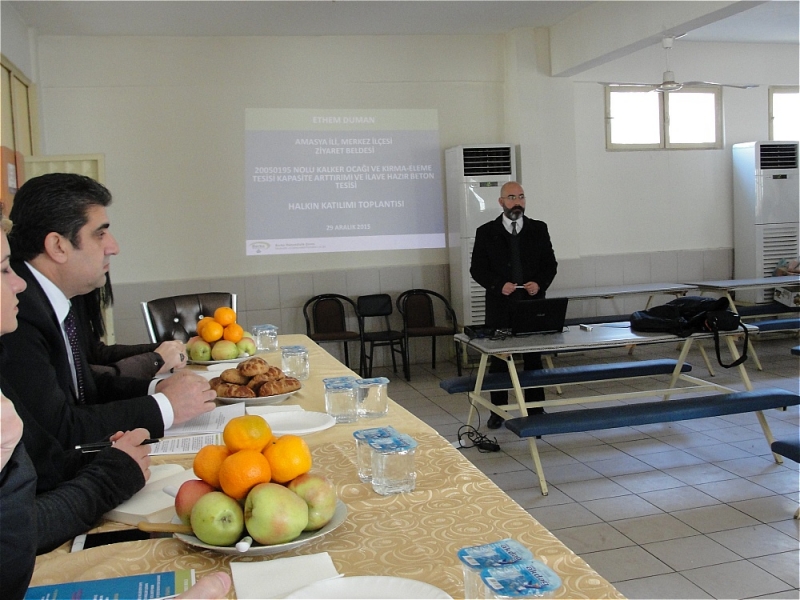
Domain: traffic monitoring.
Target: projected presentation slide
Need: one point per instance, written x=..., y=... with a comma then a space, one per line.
x=342, y=181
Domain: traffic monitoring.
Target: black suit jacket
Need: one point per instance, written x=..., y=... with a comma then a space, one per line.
x=491, y=264
x=35, y=363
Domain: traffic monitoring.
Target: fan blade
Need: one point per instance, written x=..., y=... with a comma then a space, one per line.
x=618, y=84
x=745, y=86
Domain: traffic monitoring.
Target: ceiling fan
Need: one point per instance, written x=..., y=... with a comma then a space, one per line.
x=668, y=83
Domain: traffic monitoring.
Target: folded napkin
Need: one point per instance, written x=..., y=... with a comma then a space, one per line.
x=279, y=577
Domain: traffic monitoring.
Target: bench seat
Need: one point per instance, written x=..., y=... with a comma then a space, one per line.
x=761, y=310
x=565, y=375
x=678, y=409
x=796, y=350
x=787, y=324
x=789, y=449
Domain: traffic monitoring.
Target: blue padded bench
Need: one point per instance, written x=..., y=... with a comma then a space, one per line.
x=791, y=450
x=759, y=310
x=564, y=375
x=787, y=324
x=796, y=350
x=662, y=411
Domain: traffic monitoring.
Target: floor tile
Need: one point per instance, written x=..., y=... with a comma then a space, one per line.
x=790, y=527
x=562, y=516
x=767, y=509
x=690, y=552
x=625, y=563
x=623, y=465
x=740, y=579
x=591, y=538
x=654, y=528
x=709, y=519
x=784, y=566
x=657, y=587
x=681, y=498
x=670, y=459
x=745, y=467
x=733, y=490
x=781, y=482
x=753, y=541
x=649, y=481
x=621, y=507
x=701, y=473
x=592, y=489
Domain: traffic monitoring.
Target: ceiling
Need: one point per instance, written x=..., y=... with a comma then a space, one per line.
x=769, y=22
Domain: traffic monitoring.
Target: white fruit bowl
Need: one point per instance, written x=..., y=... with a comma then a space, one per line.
x=339, y=517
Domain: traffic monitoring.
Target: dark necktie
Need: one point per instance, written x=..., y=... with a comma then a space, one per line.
x=71, y=327
x=516, y=257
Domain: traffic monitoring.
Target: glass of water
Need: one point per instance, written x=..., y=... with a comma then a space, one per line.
x=393, y=468
x=266, y=337
x=340, y=399
x=373, y=397
x=294, y=362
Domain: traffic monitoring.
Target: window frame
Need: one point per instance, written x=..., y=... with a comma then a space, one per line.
x=663, y=126
x=778, y=89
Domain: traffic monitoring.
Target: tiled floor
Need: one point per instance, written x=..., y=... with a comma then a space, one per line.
x=694, y=509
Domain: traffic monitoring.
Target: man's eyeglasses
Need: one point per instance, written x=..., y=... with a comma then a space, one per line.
x=512, y=197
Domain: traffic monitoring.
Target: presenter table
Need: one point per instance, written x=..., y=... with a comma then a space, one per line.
x=609, y=335
x=631, y=289
x=414, y=535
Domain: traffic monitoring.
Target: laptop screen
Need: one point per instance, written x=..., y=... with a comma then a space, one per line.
x=534, y=316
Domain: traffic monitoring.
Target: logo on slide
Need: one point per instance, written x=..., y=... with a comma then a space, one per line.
x=259, y=247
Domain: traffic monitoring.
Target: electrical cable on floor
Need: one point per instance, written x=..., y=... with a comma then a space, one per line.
x=476, y=440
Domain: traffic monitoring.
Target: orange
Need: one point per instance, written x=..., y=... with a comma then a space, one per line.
x=225, y=316
x=212, y=331
x=248, y=432
x=208, y=461
x=242, y=471
x=288, y=457
x=202, y=323
x=233, y=332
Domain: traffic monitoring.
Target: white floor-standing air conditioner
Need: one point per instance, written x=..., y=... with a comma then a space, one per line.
x=766, y=211
x=474, y=175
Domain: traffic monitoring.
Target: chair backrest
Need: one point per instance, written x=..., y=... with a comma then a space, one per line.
x=417, y=308
x=325, y=314
x=375, y=305
x=176, y=317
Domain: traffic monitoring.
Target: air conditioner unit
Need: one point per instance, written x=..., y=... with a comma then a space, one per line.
x=766, y=211
x=474, y=176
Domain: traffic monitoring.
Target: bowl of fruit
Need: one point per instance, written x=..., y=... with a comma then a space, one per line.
x=256, y=494
x=220, y=339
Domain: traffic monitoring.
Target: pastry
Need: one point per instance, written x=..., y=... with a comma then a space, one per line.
x=253, y=366
x=279, y=386
x=232, y=390
x=234, y=376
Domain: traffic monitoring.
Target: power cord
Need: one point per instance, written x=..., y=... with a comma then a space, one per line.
x=476, y=440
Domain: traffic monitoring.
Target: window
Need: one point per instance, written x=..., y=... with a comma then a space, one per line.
x=642, y=120
x=784, y=113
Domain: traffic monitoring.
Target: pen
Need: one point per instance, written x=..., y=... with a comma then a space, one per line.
x=97, y=446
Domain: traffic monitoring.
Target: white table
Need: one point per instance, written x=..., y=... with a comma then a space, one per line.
x=628, y=289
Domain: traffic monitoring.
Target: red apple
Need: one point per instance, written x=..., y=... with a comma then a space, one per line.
x=189, y=493
x=274, y=514
x=320, y=496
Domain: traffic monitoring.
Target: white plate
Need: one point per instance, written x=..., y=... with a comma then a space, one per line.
x=216, y=362
x=298, y=422
x=369, y=587
x=276, y=399
x=339, y=517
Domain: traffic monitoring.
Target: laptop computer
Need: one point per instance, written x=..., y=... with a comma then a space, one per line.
x=534, y=316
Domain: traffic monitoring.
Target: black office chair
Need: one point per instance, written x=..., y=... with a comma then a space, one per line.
x=176, y=317
x=419, y=320
x=326, y=321
x=378, y=305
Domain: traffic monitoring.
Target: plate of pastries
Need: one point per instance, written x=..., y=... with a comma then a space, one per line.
x=254, y=381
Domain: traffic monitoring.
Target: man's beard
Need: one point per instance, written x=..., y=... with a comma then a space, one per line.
x=514, y=213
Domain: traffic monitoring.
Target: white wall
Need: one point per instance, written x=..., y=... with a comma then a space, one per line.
x=15, y=41
x=168, y=113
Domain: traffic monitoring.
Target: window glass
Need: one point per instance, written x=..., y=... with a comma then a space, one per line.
x=634, y=118
x=692, y=118
x=786, y=116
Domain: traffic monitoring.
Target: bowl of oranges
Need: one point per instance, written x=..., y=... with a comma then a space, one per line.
x=220, y=339
x=259, y=486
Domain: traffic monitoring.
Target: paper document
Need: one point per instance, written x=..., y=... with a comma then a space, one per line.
x=210, y=422
x=189, y=444
x=151, y=503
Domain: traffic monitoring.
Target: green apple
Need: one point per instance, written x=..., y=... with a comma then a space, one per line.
x=217, y=519
x=274, y=514
x=188, y=495
x=320, y=496
x=192, y=340
x=246, y=346
x=201, y=350
x=224, y=350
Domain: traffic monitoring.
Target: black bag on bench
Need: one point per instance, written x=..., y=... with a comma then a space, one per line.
x=692, y=314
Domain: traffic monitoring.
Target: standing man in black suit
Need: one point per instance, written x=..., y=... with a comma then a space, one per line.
x=512, y=259
x=61, y=246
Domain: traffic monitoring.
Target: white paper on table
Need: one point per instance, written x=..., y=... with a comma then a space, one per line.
x=189, y=444
x=210, y=422
x=279, y=577
x=151, y=503
x=275, y=408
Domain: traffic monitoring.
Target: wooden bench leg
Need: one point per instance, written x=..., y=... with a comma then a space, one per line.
x=705, y=358
x=748, y=385
x=537, y=463
x=548, y=360
x=478, y=386
x=753, y=354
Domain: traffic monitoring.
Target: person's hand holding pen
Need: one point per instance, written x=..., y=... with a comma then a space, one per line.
x=132, y=444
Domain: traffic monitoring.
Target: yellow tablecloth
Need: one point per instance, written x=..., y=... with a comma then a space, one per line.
x=414, y=535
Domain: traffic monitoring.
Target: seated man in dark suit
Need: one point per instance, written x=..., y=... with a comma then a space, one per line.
x=61, y=247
